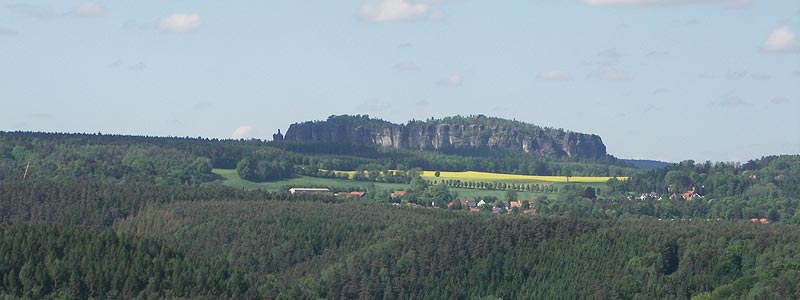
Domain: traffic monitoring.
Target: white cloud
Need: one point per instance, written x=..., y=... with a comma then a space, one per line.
x=782, y=40
x=90, y=9
x=780, y=100
x=374, y=106
x=656, y=53
x=406, y=66
x=33, y=11
x=7, y=32
x=731, y=101
x=453, y=80
x=180, y=23
x=666, y=2
x=115, y=64
x=138, y=66
x=610, y=54
x=659, y=91
x=438, y=15
x=393, y=10
x=554, y=75
x=243, y=132
x=610, y=75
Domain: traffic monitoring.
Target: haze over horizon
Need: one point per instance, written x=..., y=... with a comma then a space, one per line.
x=666, y=80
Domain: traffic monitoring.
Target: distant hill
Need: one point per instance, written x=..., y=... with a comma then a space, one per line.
x=645, y=164
x=478, y=133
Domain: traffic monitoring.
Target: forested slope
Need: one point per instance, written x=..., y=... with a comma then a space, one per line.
x=115, y=217
x=310, y=250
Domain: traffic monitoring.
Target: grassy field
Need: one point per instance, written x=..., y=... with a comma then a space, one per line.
x=230, y=178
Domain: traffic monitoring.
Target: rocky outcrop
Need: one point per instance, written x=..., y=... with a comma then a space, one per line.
x=478, y=132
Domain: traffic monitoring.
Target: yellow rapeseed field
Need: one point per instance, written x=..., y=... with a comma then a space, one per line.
x=507, y=178
x=510, y=178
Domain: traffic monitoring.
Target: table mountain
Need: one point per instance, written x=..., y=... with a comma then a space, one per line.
x=473, y=132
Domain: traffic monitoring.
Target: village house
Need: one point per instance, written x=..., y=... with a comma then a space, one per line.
x=356, y=194
x=396, y=194
x=297, y=191
x=691, y=194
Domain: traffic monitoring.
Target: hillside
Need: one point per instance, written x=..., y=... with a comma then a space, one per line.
x=120, y=217
x=455, y=134
x=646, y=164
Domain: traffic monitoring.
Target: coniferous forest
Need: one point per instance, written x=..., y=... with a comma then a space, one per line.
x=125, y=217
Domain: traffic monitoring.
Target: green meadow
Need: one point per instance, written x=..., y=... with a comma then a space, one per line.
x=231, y=179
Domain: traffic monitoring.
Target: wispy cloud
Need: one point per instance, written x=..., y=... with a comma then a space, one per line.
x=115, y=64
x=731, y=101
x=734, y=75
x=201, y=105
x=180, y=23
x=138, y=66
x=744, y=74
x=374, y=106
x=554, y=75
x=610, y=54
x=782, y=40
x=40, y=116
x=90, y=9
x=453, y=80
x=8, y=32
x=660, y=91
x=609, y=75
x=405, y=67
x=394, y=10
x=780, y=100
x=243, y=132
x=608, y=58
x=667, y=2
x=133, y=25
x=33, y=11
x=656, y=53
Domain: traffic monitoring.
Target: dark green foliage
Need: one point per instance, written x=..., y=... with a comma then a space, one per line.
x=95, y=204
x=128, y=163
x=176, y=236
x=349, y=251
x=41, y=261
x=765, y=188
x=266, y=164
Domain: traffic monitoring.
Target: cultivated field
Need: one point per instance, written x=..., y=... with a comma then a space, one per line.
x=231, y=179
x=511, y=178
x=505, y=178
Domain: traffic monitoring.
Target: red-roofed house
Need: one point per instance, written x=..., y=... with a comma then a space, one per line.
x=356, y=194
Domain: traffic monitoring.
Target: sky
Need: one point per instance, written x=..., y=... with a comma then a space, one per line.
x=668, y=80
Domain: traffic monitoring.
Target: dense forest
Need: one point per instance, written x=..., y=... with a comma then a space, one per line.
x=120, y=217
x=172, y=160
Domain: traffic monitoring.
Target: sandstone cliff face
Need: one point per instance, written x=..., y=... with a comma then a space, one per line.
x=485, y=133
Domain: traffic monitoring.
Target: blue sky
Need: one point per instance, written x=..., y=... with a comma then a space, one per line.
x=671, y=80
